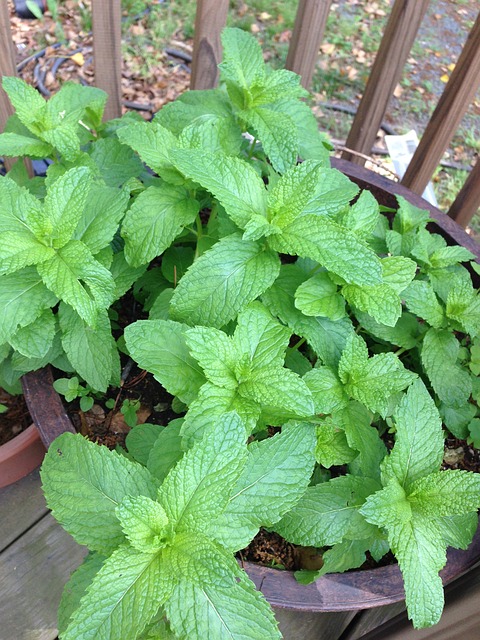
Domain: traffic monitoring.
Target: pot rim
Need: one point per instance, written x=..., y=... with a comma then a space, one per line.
x=353, y=590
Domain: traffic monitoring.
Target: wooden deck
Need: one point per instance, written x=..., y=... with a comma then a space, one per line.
x=37, y=557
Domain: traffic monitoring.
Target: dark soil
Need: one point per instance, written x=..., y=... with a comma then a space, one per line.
x=16, y=419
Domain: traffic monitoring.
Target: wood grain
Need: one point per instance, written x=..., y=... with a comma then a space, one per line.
x=33, y=572
x=107, y=45
x=307, y=36
x=397, y=41
x=21, y=505
x=451, y=107
x=7, y=68
x=210, y=19
x=467, y=202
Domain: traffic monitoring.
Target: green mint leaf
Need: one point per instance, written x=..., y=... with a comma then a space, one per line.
x=64, y=204
x=27, y=102
x=334, y=247
x=326, y=337
x=458, y=531
x=327, y=390
x=197, y=489
x=452, y=383
x=152, y=142
x=333, y=193
x=154, y=220
x=277, y=133
x=409, y=217
x=14, y=144
x=166, y=450
x=418, y=449
x=175, y=262
x=104, y=209
x=332, y=447
x=90, y=350
x=275, y=476
x=76, y=102
x=160, y=347
x=242, y=59
x=78, y=279
x=123, y=274
x=398, y=272
x=216, y=353
x=124, y=595
x=76, y=587
x=144, y=523
x=405, y=333
x=23, y=297
x=356, y=421
x=446, y=493
x=192, y=107
x=280, y=392
x=447, y=256
x=64, y=138
x=35, y=339
x=328, y=512
x=362, y=217
x=261, y=338
x=233, y=182
x=380, y=301
x=457, y=419
x=140, y=440
x=116, y=162
x=210, y=405
x=293, y=191
x=416, y=542
x=223, y=280
x=213, y=612
x=422, y=301
x=199, y=560
x=318, y=296
x=71, y=464
x=371, y=381
x=278, y=84
x=463, y=306
x=215, y=133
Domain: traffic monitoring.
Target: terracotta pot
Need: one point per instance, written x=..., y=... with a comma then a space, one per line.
x=351, y=591
x=20, y=456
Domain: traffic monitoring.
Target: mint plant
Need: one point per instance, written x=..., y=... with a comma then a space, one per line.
x=271, y=295
x=167, y=545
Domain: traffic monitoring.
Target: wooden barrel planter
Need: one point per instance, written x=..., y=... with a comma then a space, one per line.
x=330, y=607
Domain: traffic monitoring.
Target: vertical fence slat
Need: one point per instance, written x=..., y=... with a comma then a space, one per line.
x=454, y=101
x=396, y=43
x=467, y=202
x=7, y=68
x=107, y=41
x=307, y=36
x=210, y=19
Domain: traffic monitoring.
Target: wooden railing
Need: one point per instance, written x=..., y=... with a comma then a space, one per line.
x=310, y=23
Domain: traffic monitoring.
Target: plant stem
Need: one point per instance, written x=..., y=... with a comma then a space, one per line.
x=297, y=345
x=252, y=148
x=199, y=235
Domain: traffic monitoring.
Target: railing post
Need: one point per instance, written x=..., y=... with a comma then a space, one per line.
x=467, y=202
x=307, y=36
x=7, y=68
x=396, y=43
x=210, y=19
x=457, y=95
x=107, y=51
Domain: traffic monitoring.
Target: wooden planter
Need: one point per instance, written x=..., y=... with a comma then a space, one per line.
x=325, y=609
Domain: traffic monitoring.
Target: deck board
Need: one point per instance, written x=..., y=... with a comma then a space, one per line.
x=36, y=560
x=21, y=505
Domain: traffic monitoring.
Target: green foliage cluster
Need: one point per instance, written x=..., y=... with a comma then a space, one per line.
x=279, y=299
